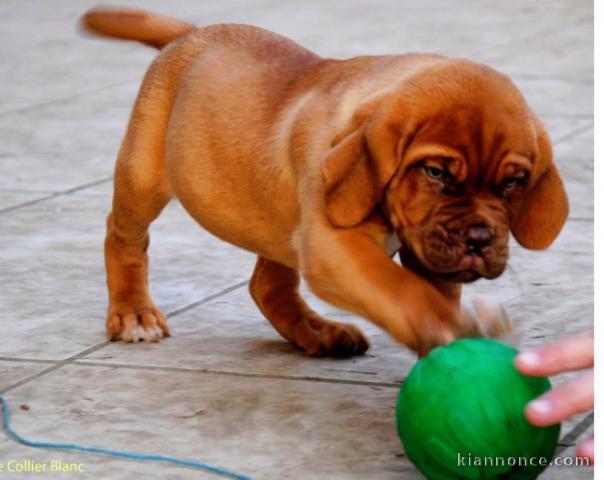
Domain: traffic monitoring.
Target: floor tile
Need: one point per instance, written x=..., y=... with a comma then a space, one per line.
x=230, y=334
x=267, y=428
x=66, y=144
x=12, y=199
x=12, y=371
x=575, y=158
x=557, y=96
x=54, y=294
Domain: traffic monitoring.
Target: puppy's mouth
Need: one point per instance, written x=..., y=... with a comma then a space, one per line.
x=455, y=264
x=472, y=273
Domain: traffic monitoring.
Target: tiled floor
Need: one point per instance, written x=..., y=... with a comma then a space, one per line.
x=225, y=388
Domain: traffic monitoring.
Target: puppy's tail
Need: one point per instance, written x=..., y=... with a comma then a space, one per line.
x=131, y=24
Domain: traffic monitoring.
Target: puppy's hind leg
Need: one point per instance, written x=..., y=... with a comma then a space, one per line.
x=141, y=191
x=275, y=289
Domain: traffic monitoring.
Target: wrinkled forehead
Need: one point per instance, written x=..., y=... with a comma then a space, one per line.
x=482, y=128
x=480, y=132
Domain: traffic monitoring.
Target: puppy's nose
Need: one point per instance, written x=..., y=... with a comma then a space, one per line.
x=478, y=237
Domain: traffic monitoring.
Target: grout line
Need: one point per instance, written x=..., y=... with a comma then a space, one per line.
x=28, y=203
x=61, y=363
x=27, y=190
x=211, y=371
x=65, y=98
x=25, y=380
x=55, y=366
x=207, y=299
x=27, y=360
x=57, y=194
x=86, y=185
x=85, y=352
x=571, y=437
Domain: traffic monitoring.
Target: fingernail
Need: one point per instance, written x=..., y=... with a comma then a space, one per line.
x=529, y=359
x=540, y=406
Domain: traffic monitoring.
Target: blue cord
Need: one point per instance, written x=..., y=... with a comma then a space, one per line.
x=115, y=453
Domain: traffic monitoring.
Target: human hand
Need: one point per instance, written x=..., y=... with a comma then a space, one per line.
x=565, y=401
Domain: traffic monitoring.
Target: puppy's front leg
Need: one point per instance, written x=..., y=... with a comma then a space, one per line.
x=275, y=289
x=350, y=269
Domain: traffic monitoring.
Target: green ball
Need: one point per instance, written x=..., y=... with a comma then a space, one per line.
x=460, y=415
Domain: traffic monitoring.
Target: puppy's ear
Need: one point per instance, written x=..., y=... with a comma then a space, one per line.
x=352, y=188
x=363, y=158
x=542, y=212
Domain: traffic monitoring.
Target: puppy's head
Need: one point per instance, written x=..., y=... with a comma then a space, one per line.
x=455, y=160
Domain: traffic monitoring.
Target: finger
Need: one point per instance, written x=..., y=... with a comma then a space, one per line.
x=586, y=449
x=562, y=402
x=571, y=354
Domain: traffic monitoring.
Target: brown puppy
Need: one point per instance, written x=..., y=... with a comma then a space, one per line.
x=324, y=168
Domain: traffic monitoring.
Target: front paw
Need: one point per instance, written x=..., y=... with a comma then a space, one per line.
x=443, y=323
x=134, y=324
x=486, y=321
x=320, y=337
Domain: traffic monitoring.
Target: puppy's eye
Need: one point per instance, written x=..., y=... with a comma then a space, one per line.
x=509, y=185
x=434, y=172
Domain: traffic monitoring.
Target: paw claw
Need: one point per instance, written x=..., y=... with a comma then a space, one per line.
x=146, y=324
